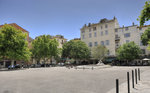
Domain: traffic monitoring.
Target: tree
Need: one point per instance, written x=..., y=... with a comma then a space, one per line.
x=13, y=44
x=43, y=47
x=145, y=13
x=99, y=52
x=128, y=51
x=145, y=36
x=76, y=49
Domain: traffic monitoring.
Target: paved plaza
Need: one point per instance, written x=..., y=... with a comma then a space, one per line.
x=62, y=80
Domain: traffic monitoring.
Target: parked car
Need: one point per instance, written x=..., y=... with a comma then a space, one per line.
x=32, y=66
x=11, y=67
x=60, y=64
x=17, y=66
x=37, y=65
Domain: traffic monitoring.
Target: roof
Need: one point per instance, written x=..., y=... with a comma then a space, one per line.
x=102, y=21
x=133, y=25
x=16, y=26
x=144, y=26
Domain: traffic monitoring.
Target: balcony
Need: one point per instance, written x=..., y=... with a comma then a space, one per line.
x=117, y=46
x=117, y=39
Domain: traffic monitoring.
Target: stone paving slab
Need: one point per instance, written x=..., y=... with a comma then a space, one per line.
x=143, y=86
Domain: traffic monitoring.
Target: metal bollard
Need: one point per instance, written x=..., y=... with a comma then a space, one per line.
x=136, y=75
x=128, y=81
x=92, y=68
x=75, y=67
x=139, y=73
x=117, y=85
x=133, y=78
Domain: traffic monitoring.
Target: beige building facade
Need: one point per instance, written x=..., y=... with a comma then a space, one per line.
x=131, y=33
x=110, y=34
x=61, y=40
x=101, y=33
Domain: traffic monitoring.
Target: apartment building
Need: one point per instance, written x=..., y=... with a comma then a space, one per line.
x=19, y=28
x=131, y=33
x=110, y=34
x=61, y=40
x=101, y=33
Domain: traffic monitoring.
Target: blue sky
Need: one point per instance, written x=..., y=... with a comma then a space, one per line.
x=66, y=17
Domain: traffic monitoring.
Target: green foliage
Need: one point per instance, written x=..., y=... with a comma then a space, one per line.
x=43, y=47
x=13, y=44
x=75, y=49
x=146, y=36
x=128, y=51
x=99, y=52
x=148, y=45
x=145, y=13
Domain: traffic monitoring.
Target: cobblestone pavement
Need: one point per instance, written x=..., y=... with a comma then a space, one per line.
x=62, y=80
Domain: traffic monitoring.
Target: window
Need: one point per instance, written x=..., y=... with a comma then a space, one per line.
x=126, y=28
x=143, y=51
x=141, y=34
x=90, y=44
x=127, y=35
x=101, y=27
x=106, y=32
x=89, y=29
x=108, y=53
x=141, y=44
x=83, y=36
x=127, y=41
x=95, y=34
x=102, y=33
x=116, y=30
x=102, y=43
x=83, y=31
x=140, y=28
x=90, y=35
x=116, y=36
x=62, y=41
x=106, y=26
x=107, y=42
x=95, y=43
x=94, y=28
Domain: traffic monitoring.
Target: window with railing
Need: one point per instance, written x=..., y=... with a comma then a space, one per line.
x=127, y=35
x=90, y=44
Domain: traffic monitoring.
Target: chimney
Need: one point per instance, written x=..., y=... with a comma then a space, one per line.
x=132, y=23
x=114, y=17
x=89, y=24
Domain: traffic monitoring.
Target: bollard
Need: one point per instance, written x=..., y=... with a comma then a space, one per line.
x=117, y=86
x=75, y=67
x=128, y=82
x=133, y=78
x=92, y=68
x=136, y=75
x=139, y=73
x=83, y=68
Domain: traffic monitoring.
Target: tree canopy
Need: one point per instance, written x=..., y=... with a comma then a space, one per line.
x=128, y=51
x=145, y=37
x=43, y=47
x=145, y=13
x=99, y=52
x=76, y=49
x=13, y=44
